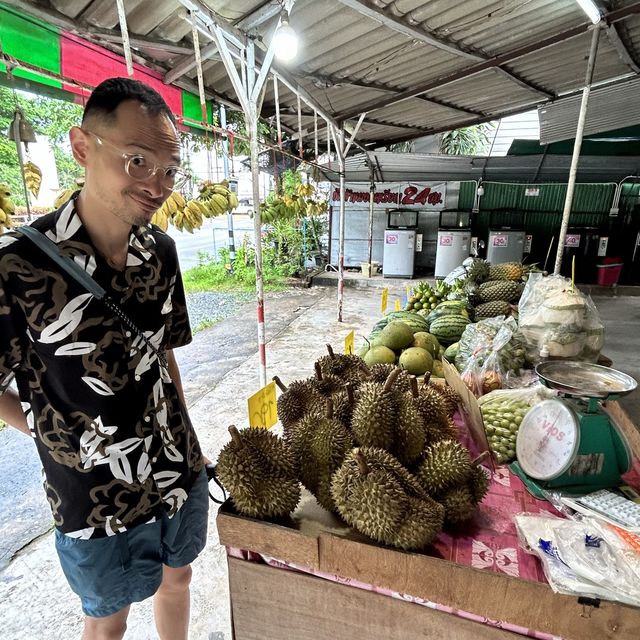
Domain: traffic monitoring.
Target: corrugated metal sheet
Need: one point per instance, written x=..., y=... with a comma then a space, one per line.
x=609, y=108
x=551, y=168
x=587, y=198
x=346, y=58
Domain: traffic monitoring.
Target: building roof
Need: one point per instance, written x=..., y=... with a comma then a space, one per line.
x=416, y=67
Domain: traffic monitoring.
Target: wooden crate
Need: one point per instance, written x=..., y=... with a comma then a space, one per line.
x=269, y=603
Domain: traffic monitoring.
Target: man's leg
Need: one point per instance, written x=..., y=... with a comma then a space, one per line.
x=108, y=628
x=171, y=603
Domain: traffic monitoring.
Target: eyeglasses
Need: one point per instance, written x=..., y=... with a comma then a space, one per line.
x=138, y=167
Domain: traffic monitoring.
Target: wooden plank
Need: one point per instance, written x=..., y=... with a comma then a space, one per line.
x=274, y=604
x=267, y=538
x=498, y=597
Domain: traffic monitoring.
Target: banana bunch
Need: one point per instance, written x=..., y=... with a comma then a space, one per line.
x=7, y=208
x=191, y=217
x=316, y=207
x=217, y=198
x=305, y=190
x=33, y=178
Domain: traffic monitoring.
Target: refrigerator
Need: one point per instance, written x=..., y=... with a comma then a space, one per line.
x=505, y=246
x=453, y=248
x=399, y=254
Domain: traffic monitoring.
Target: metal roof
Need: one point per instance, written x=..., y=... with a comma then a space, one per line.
x=402, y=167
x=415, y=66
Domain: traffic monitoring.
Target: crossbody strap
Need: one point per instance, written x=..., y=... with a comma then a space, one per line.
x=80, y=275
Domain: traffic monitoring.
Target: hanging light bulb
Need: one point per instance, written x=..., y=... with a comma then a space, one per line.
x=480, y=190
x=285, y=40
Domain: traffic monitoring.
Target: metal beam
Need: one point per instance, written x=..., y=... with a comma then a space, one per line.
x=81, y=27
x=395, y=23
x=331, y=81
x=259, y=16
x=188, y=62
x=497, y=61
x=525, y=84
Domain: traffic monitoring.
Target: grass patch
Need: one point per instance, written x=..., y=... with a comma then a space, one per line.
x=205, y=324
x=213, y=275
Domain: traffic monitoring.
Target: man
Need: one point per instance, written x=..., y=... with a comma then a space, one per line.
x=123, y=467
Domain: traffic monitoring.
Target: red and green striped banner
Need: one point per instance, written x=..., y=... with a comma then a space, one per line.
x=69, y=57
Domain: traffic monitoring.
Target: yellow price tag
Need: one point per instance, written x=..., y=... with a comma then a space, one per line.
x=348, y=343
x=408, y=292
x=263, y=412
x=398, y=305
x=385, y=299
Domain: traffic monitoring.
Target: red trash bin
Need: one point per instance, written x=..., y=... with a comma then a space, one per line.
x=609, y=272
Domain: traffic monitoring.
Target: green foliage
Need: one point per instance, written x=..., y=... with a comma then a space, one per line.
x=468, y=141
x=213, y=275
x=49, y=117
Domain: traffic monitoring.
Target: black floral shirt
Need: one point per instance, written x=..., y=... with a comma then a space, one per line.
x=116, y=445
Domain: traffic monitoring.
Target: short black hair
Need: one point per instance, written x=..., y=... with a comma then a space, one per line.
x=106, y=97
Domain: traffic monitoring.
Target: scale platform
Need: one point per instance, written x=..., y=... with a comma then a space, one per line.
x=571, y=444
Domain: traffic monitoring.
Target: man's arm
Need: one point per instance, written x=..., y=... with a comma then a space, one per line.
x=11, y=411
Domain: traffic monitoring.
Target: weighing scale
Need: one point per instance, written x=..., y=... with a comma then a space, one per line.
x=571, y=444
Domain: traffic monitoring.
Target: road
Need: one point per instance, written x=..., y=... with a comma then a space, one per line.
x=210, y=238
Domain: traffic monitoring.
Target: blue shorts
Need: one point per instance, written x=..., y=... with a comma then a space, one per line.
x=110, y=573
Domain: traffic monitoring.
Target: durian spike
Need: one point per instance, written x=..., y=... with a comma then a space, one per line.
x=476, y=461
x=414, y=386
x=362, y=463
x=350, y=394
x=281, y=385
x=330, y=409
x=235, y=434
x=330, y=350
x=391, y=378
x=316, y=366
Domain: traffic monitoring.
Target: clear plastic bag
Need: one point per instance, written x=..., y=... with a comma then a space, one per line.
x=502, y=412
x=497, y=334
x=555, y=314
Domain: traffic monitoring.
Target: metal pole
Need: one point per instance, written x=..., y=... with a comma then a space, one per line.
x=225, y=165
x=340, y=154
x=277, y=101
x=372, y=191
x=257, y=227
x=122, y=18
x=566, y=213
x=16, y=135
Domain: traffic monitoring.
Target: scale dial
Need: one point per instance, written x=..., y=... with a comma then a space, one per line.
x=547, y=440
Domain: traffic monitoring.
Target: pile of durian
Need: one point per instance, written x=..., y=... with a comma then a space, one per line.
x=372, y=444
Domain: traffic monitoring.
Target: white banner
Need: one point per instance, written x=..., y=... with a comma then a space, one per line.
x=393, y=195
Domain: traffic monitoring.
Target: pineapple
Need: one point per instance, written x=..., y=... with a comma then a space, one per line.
x=492, y=309
x=493, y=290
x=506, y=271
x=478, y=270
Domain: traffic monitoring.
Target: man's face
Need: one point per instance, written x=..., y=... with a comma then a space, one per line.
x=135, y=133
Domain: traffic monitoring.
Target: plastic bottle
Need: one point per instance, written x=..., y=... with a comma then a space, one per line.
x=544, y=353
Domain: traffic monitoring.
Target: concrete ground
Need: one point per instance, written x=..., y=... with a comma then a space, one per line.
x=220, y=370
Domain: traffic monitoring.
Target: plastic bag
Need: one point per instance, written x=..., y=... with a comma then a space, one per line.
x=498, y=334
x=554, y=314
x=538, y=535
x=502, y=412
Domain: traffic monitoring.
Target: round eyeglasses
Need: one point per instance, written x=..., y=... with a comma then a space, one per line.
x=138, y=167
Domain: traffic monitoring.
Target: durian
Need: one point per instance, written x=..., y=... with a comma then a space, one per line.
x=259, y=471
x=374, y=415
x=377, y=496
x=458, y=504
x=449, y=397
x=320, y=444
x=431, y=409
x=343, y=405
x=326, y=384
x=380, y=372
x=349, y=368
x=410, y=432
x=294, y=401
x=446, y=464
x=478, y=484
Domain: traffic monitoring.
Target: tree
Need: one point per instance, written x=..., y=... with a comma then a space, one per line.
x=468, y=141
x=49, y=117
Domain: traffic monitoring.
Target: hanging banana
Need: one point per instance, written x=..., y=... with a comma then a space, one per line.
x=32, y=177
